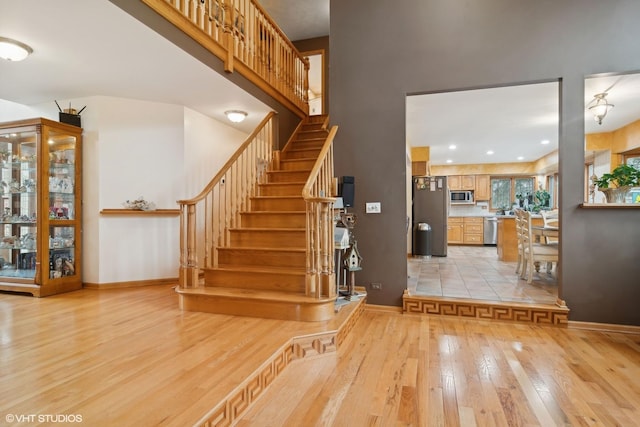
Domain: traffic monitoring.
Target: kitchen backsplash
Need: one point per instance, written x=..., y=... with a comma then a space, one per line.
x=479, y=209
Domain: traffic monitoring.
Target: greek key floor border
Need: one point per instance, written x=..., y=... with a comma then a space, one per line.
x=529, y=313
x=235, y=404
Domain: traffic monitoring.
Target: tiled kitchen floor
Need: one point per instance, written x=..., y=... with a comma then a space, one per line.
x=475, y=272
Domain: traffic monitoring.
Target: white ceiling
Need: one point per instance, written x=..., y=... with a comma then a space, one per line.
x=511, y=121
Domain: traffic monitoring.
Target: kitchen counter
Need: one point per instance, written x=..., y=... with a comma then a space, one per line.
x=507, y=239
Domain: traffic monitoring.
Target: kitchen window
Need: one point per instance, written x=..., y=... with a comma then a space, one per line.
x=504, y=190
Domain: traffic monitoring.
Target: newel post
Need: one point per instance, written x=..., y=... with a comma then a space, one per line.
x=188, y=276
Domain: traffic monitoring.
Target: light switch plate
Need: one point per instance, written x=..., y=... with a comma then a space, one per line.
x=374, y=207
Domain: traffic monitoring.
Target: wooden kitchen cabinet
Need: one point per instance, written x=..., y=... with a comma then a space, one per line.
x=462, y=182
x=483, y=187
x=473, y=228
x=455, y=230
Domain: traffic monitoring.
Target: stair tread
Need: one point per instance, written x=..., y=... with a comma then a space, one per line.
x=285, y=183
x=273, y=212
x=277, y=197
x=265, y=295
x=260, y=269
x=261, y=248
x=297, y=229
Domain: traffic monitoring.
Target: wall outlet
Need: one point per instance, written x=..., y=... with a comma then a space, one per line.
x=376, y=286
x=373, y=207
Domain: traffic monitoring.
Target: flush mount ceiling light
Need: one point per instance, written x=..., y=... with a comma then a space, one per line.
x=13, y=50
x=236, y=116
x=601, y=107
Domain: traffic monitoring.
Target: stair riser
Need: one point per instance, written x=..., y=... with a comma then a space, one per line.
x=301, y=154
x=237, y=306
x=258, y=204
x=262, y=281
x=315, y=134
x=281, y=190
x=260, y=258
x=268, y=239
x=275, y=220
x=296, y=165
x=294, y=176
x=312, y=143
x=311, y=126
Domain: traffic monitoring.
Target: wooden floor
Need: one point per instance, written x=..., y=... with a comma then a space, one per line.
x=129, y=357
x=410, y=370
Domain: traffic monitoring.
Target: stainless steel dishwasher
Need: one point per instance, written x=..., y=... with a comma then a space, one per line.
x=490, y=230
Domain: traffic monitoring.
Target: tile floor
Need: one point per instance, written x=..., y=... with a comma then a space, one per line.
x=475, y=272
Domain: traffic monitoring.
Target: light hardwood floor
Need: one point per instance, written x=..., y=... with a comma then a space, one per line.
x=130, y=357
x=412, y=370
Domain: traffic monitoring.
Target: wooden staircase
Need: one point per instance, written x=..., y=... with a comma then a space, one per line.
x=262, y=272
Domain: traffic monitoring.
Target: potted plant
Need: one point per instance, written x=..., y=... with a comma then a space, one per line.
x=616, y=185
x=542, y=197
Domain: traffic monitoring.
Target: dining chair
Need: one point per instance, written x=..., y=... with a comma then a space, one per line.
x=519, y=218
x=550, y=219
x=535, y=253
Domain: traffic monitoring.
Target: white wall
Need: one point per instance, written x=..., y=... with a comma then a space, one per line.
x=208, y=144
x=134, y=148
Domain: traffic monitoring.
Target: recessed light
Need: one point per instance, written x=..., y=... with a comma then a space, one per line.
x=490, y=152
x=449, y=161
x=452, y=147
x=520, y=158
x=545, y=142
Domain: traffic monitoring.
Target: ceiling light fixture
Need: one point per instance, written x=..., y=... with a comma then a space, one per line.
x=545, y=142
x=489, y=152
x=452, y=147
x=13, y=50
x=236, y=116
x=601, y=107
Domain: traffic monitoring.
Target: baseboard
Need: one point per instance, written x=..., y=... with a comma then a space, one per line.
x=130, y=284
x=604, y=327
x=383, y=308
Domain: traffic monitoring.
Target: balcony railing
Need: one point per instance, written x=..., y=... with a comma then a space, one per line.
x=247, y=40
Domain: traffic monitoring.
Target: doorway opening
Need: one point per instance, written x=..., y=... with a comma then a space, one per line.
x=499, y=147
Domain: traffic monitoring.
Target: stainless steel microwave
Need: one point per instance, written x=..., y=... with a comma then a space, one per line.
x=461, y=197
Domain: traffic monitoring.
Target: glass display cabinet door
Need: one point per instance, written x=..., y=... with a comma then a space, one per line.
x=62, y=208
x=18, y=203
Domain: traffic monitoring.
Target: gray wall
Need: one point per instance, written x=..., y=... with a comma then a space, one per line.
x=382, y=50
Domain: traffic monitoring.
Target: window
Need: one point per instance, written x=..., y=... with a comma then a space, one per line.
x=505, y=189
x=500, y=193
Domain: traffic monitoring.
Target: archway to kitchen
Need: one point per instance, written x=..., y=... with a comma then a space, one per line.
x=494, y=149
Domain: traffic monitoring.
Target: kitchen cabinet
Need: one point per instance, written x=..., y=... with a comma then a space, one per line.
x=473, y=230
x=455, y=230
x=419, y=168
x=483, y=187
x=462, y=182
x=40, y=207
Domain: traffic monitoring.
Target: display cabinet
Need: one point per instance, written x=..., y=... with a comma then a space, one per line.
x=40, y=204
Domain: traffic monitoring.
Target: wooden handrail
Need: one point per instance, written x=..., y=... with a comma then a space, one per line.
x=327, y=148
x=247, y=40
x=225, y=168
x=205, y=220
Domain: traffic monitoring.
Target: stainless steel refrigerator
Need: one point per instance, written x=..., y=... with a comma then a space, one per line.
x=431, y=206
